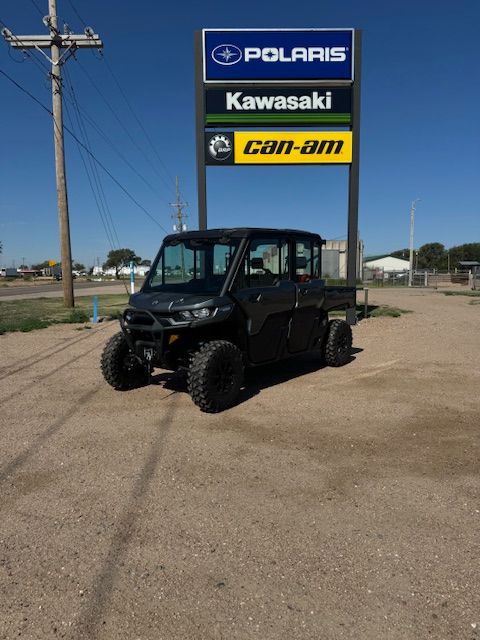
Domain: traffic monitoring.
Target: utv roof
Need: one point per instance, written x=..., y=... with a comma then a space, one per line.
x=239, y=232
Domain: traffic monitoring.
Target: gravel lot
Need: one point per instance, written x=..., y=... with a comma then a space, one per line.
x=331, y=503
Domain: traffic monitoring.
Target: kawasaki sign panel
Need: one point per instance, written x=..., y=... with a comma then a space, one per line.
x=299, y=106
x=277, y=55
x=282, y=147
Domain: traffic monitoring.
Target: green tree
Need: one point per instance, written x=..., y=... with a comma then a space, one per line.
x=118, y=258
x=469, y=251
x=146, y=263
x=78, y=266
x=432, y=256
x=40, y=265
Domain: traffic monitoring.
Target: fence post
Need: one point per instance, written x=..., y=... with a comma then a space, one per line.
x=426, y=278
x=132, y=277
x=365, y=303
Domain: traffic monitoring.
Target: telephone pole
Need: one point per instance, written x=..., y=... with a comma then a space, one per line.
x=61, y=46
x=412, y=227
x=179, y=216
x=178, y=205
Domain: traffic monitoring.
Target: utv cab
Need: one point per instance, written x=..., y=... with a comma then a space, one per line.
x=220, y=300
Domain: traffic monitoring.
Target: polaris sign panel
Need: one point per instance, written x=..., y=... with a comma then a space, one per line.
x=290, y=55
x=282, y=147
x=283, y=106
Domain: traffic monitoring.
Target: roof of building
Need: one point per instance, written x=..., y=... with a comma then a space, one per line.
x=388, y=263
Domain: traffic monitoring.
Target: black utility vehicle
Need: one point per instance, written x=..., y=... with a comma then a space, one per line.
x=217, y=301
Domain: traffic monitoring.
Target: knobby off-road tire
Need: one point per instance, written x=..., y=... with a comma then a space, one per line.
x=215, y=376
x=339, y=343
x=119, y=367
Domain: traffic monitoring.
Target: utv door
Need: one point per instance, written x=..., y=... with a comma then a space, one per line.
x=266, y=297
x=308, y=320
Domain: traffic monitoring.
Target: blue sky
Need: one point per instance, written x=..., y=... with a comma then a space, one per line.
x=419, y=128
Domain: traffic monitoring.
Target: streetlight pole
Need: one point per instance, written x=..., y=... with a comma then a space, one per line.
x=412, y=228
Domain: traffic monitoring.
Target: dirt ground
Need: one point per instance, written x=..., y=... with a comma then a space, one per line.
x=331, y=503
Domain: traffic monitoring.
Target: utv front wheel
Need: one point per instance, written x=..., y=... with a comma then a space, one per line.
x=339, y=343
x=215, y=376
x=119, y=366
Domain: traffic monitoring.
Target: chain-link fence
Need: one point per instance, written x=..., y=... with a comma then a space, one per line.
x=420, y=278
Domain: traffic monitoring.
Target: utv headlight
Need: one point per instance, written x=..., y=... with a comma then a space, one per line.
x=128, y=316
x=202, y=313
x=196, y=314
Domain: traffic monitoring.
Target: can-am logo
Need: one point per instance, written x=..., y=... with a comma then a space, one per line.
x=228, y=54
x=220, y=147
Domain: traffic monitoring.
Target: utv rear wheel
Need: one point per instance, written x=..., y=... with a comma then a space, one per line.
x=215, y=376
x=119, y=366
x=339, y=343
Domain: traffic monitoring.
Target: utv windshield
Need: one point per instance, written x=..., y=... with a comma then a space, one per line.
x=192, y=266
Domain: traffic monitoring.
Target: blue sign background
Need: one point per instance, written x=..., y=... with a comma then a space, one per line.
x=255, y=70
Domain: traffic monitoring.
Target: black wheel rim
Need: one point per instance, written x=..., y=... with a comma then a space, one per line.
x=130, y=363
x=224, y=377
x=342, y=344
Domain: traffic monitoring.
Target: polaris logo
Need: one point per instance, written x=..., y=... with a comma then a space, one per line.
x=297, y=54
x=237, y=101
x=228, y=54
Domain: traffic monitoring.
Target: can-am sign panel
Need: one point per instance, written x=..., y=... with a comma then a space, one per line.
x=273, y=55
x=279, y=147
x=241, y=106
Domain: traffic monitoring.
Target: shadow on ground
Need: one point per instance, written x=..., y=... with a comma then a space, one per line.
x=257, y=378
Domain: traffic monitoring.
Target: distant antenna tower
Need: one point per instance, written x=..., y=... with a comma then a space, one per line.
x=179, y=216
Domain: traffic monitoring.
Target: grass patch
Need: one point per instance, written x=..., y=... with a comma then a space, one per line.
x=470, y=294
x=374, y=311
x=38, y=313
x=385, y=311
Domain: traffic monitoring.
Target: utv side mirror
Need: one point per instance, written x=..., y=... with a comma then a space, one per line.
x=301, y=262
x=256, y=263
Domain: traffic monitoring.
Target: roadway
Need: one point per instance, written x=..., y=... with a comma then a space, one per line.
x=54, y=290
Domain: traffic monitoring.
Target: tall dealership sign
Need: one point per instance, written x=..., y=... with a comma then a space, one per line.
x=303, y=79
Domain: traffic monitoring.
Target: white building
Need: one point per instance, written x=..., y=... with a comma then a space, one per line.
x=141, y=271
x=388, y=264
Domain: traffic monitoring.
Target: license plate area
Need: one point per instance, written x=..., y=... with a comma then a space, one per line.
x=147, y=351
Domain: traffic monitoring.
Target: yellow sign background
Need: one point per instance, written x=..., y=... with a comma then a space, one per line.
x=293, y=147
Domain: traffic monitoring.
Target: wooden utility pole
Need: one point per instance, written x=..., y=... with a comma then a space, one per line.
x=179, y=226
x=179, y=206
x=61, y=46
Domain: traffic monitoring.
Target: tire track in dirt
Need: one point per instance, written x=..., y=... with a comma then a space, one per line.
x=21, y=458
x=48, y=355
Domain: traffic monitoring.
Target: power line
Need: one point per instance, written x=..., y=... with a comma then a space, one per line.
x=25, y=51
x=92, y=177
x=139, y=122
x=94, y=168
x=37, y=8
x=76, y=13
x=107, y=231
x=112, y=177
x=123, y=126
x=112, y=145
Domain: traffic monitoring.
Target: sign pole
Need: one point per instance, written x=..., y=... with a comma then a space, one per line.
x=353, y=178
x=200, y=126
